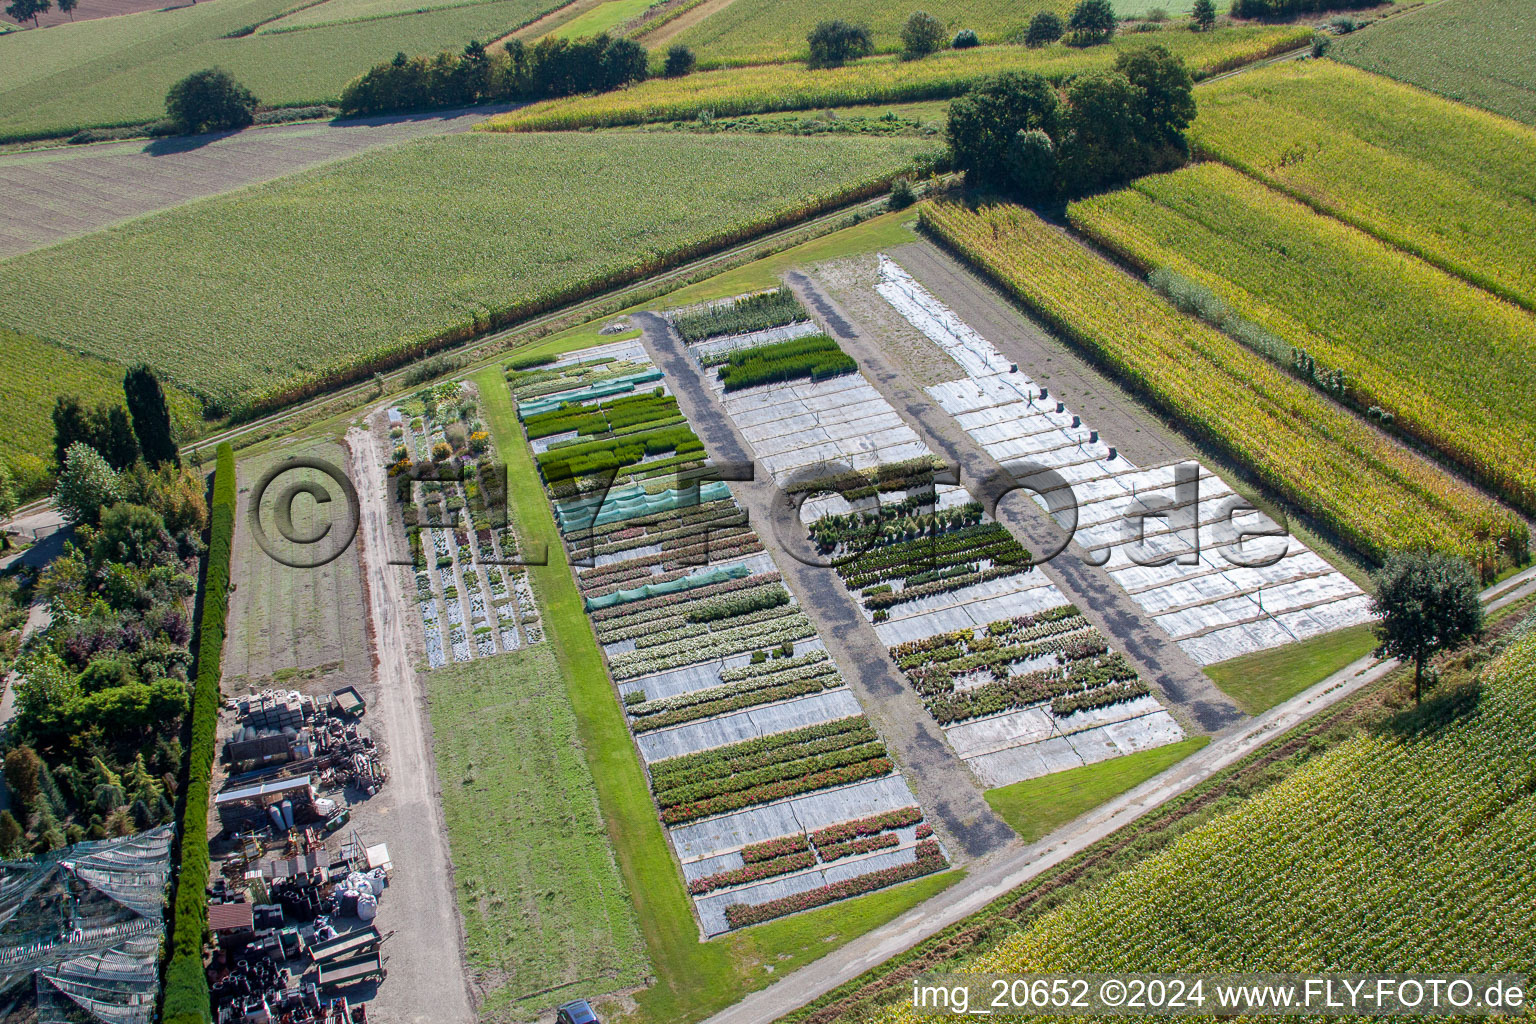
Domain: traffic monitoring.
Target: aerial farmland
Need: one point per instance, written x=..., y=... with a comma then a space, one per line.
x=738, y=511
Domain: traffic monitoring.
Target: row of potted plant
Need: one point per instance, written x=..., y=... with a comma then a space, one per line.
x=928, y=860
x=764, y=750
x=754, y=872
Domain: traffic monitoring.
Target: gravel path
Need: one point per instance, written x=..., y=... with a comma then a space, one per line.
x=49, y=195
x=1188, y=692
x=945, y=787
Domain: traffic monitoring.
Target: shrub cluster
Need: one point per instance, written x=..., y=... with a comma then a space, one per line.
x=929, y=859
x=817, y=357
x=666, y=604
x=186, y=999
x=765, y=750
x=818, y=778
x=1100, y=697
x=759, y=312
x=742, y=695
x=1015, y=692
x=703, y=789
x=873, y=825
x=837, y=851
x=774, y=848
x=739, y=604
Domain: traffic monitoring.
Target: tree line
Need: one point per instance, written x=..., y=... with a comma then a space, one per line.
x=551, y=67
x=1018, y=135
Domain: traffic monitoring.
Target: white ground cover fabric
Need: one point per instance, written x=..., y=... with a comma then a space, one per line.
x=1208, y=598
x=713, y=845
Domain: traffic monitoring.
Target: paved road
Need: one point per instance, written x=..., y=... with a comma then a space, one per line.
x=1106, y=605
x=49, y=195
x=944, y=785
x=999, y=874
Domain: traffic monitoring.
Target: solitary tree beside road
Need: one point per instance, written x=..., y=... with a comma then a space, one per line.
x=1427, y=603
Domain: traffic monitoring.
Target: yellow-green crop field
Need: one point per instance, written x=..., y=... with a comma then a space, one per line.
x=756, y=90
x=1403, y=846
x=114, y=71
x=1476, y=51
x=35, y=375
x=1444, y=181
x=1369, y=491
x=279, y=291
x=1452, y=363
x=758, y=31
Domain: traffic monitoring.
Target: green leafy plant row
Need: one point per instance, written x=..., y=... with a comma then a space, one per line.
x=743, y=316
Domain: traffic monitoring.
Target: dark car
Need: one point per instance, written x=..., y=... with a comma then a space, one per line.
x=577, y=1011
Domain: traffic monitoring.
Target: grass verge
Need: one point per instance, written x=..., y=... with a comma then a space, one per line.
x=1035, y=808
x=545, y=909
x=1257, y=682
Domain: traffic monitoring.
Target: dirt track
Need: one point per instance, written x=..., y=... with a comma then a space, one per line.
x=426, y=983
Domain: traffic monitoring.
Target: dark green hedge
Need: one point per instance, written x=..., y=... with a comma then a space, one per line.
x=186, y=983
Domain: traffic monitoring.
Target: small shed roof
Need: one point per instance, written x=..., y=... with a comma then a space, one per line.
x=264, y=789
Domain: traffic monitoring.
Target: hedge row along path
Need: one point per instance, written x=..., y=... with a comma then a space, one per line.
x=998, y=875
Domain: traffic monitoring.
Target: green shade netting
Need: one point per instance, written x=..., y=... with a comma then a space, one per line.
x=632, y=502
x=702, y=578
x=616, y=386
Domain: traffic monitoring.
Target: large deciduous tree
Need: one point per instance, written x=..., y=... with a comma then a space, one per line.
x=923, y=34
x=835, y=42
x=209, y=101
x=22, y=10
x=1427, y=603
x=151, y=417
x=1091, y=22
x=984, y=123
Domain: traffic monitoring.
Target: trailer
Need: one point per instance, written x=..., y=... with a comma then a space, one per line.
x=343, y=973
x=346, y=947
x=348, y=702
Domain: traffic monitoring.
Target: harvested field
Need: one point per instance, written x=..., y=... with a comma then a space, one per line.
x=54, y=194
